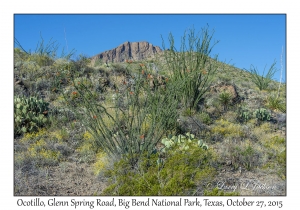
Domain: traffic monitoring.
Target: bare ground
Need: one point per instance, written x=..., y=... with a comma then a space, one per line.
x=67, y=179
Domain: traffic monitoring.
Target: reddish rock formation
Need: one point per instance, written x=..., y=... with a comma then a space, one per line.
x=128, y=50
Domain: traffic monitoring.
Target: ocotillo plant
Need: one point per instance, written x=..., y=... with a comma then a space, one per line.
x=128, y=136
x=191, y=67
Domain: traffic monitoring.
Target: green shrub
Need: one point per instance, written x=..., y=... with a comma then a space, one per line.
x=281, y=159
x=205, y=118
x=228, y=129
x=29, y=114
x=98, y=62
x=101, y=163
x=87, y=149
x=274, y=143
x=245, y=156
x=40, y=59
x=188, y=112
x=178, y=174
x=40, y=149
x=276, y=151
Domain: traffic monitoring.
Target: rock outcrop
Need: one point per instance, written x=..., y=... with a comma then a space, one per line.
x=231, y=89
x=128, y=51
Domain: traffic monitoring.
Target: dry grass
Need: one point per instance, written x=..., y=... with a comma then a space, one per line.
x=67, y=179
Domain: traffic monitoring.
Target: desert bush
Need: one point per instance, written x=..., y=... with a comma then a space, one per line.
x=44, y=54
x=82, y=61
x=19, y=91
x=214, y=107
x=98, y=62
x=40, y=149
x=101, y=163
x=88, y=148
x=230, y=116
x=245, y=157
x=274, y=143
x=43, y=155
x=40, y=59
x=61, y=135
x=33, y=136
x=119, y=69
x=227, y=129
x=205, y=118
x=188, y=112
x=178, y=174
x=191, y=68
x=241, y=154
x=276, y=155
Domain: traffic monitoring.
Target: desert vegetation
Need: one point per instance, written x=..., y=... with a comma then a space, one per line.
x=189, y=127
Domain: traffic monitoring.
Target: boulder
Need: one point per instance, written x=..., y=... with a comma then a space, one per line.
x=223, y=87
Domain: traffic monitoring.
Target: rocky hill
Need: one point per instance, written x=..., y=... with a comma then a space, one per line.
x=56, y=153
x=128, y=50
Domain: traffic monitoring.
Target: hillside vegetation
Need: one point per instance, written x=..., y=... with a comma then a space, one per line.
x=181, y=123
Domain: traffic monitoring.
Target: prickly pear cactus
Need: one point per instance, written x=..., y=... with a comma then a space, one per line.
x=244, y=114
x=29, y=114
x=262, y=114
x=182, y=141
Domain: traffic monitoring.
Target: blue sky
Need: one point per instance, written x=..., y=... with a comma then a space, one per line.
x=245, y=40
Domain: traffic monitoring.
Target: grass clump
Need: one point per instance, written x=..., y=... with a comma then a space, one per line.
x=41, y=148
x=40, y=153
x=276, y=155
x=31, y=137
x=61, y=135
x=205, y=118
x=227, y=129
x=275, y=103
x=88, y=148
x=100, y=163
x=244, y=156
x=241, y=154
